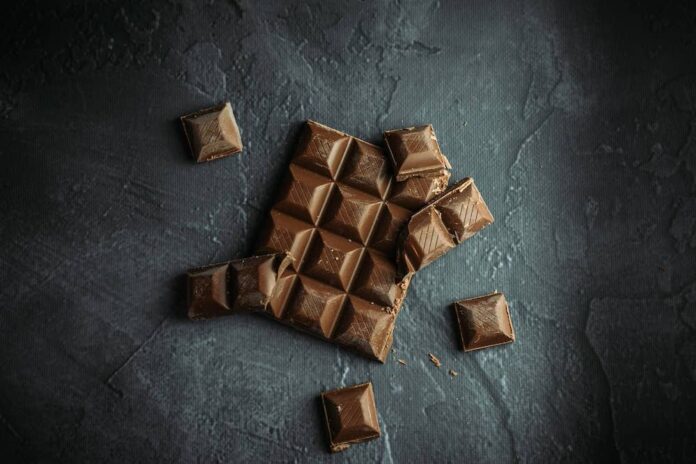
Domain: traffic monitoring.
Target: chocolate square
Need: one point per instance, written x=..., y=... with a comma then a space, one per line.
x=351, y=416
x=484, y=321
x=212, y=133
x=416, y=153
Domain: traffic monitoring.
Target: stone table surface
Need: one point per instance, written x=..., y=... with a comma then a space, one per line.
x=577, y=120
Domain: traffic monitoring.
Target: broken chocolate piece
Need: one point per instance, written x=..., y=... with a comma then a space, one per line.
x=350, y=415
x=427, y=239
x=484, y=321
x=241, y=284
x=463, y=210
x=448, y=220
x=252, y=281
x=207, y=292
x=415, y=152
x=212, y=133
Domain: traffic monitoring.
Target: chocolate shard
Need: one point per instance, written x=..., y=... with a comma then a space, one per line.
x=247, y=284
x=252, y=281
x=212, y=133
x=484, y=321
x=350, y=415
x=448, y=220
x=463, y=210
x=339, y=213
x=415, y=153
x=207, y=292
x=426, y=240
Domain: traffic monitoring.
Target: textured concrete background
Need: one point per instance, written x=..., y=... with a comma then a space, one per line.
x=577, y=120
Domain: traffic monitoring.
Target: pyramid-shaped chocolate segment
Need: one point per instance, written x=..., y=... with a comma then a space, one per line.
x=212, y=133
x=351, y=416
x=352, y=213
x=315, y=307
x=484, y=321
x=322, y=149
x=415, y=153
x=207, y=292
x=365, y=327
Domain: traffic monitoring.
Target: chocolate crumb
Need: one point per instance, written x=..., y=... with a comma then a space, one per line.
x=434, y=360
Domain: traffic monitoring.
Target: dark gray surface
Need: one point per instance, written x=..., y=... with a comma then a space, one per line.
x=577, y=121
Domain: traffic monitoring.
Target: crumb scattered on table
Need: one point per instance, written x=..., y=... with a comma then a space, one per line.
x=434, y=360
x=453, y=373
x=401, y=361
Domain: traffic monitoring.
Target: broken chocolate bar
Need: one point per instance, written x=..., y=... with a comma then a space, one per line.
x=445, y=222
x=350, y=415
x=339, y=214
x=484, y=321
x=241, y=284
x=212, y=133
x=415, y=152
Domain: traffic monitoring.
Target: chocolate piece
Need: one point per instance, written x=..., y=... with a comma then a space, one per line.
x=212, y=133
x=484, y=321
x=339, y=214
x=448, y=220
x=207, y=292
x=463, y=210
x=242, y=284
x=351, y=416
x=415, y=152
x=252, y=281
x=427, y=240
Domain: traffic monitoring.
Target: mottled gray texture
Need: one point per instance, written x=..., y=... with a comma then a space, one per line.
x=577, y=120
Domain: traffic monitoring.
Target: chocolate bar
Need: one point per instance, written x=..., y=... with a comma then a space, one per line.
x=414, y=152
x=339, y=214
x=242, y=284
x=445, y=222
x=484, y=321
x=212, y=133
x=350, y=415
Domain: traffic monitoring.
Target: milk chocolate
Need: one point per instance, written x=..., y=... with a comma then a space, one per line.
x=339, y=213
x=414, y=152
x=484, y=321
x=212, y=133
x=445, y=222
x=350, y=415
x=241, y=284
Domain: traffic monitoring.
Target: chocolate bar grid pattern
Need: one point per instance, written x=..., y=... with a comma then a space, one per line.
x=339, y=213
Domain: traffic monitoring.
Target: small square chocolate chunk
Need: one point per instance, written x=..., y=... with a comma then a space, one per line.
x=484, y=321
x=351, y=416
x=212, y=133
